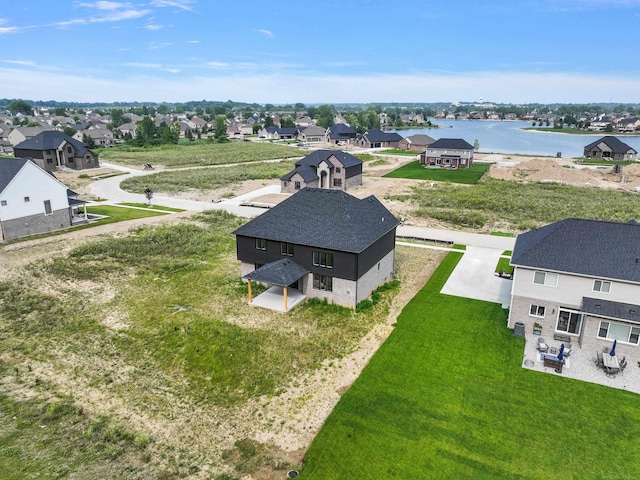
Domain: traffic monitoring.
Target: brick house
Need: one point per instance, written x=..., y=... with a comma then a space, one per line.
x=332, y=169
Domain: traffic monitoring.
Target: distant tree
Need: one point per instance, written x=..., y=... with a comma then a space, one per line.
x=533, y=124
x=88, y=141
x=220, y=129
x=608, y=128
x=20, y=106
x=163, y=109
x=476, y=145
x=118, y=118
x=67, y=130
x=268, y=121
x=146, y=132
x=399, y=122
x=619, y=108
x=33, y=124
x=269, y=107
x=60, y=111
x=287, y=122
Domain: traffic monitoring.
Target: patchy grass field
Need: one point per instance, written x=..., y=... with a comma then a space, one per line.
x=499, y=205
x=416, y=171
x=199, y=154
x=205, y=179
x=147, y=342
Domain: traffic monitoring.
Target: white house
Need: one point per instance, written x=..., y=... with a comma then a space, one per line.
x=581, y=279
x=32, y=201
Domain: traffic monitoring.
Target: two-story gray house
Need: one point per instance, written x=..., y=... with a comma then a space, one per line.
x=580, y=278
x=333, y=169
x=52, y=150
x=319, y=243
x=448, y=153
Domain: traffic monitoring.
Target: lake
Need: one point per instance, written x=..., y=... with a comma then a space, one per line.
x=508, y=137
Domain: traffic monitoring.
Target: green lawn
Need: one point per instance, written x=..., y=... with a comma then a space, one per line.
x=445, y=397
x=396, y=151
x=600, y=161
x=416, y=171
x=199, y=154
x=572, y=131
x=151, y=207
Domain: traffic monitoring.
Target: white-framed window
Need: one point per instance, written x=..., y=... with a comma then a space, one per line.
x=619, y=331
x=323, y=259
x=286, y=248
x=47, y=207
x=26, y=199
x=601, y=286
x=261, y=244
x=545, y=278
x=323, y=282
x=569, y=321
x=536, y=311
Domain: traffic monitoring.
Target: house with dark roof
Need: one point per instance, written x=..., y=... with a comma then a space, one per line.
x=580, y=278
x=332, y=169
x=340, y=134
x=448, y=153
x=312, y=134
x=376, y=138
x=415, y=143
x=52, y=150
x=318, y=243
x=610, y=148
x=33, y=201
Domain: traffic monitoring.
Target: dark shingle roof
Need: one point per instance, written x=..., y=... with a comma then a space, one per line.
x=323, y=218
x=281, y=272
x=607, y=308
x=377, y=135
x=616, y=145
x=452, y=143
x=307, y=173
x=51, y=140
x=318, y=156
x=9, y=167
x=584, y=247
x=420, y=139
x=340, y=130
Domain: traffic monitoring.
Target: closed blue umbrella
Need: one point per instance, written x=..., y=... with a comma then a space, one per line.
x=560, y=357
x=613, y=349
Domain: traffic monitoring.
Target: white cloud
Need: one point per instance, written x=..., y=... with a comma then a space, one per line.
x=153, y=26
x=217, y=64
x=193, y=41
x=267, y=33
x=27, y=63
x=182, y=4
x=143, y=65
x=158, y=45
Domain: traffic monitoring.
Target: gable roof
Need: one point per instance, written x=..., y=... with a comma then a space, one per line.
x=9, y=168
x=420, y=139
x=307, y=172
x=583, y=247
x=314, y=130
x=323, y=218
x=452, y=143
x=340, y=130
x=282, y=272
x=616, y=145
x=318, y=156
x=51, y=140
x=377, y=135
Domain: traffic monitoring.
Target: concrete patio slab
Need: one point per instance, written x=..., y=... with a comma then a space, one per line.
x=273, y=299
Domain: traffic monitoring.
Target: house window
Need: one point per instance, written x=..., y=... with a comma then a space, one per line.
x=337, y=182
x=601, y=286
x=338, y=170
x=569, y=321
x=261, y=244
x=322, y=259
x=47, y=207
x=3, y=203
x=286, y=248
x=536, y=311
x=619, y=331
x=323, y=282
x=286, y=183
x=26, y=199
x=69, y=150
x=545, y=278
x=297, y=186
x=49, y=160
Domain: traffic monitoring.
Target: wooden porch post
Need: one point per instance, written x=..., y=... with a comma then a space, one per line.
x=284, y=289
x=250, y=296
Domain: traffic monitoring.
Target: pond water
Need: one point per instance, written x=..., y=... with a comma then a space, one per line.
x=508, y=137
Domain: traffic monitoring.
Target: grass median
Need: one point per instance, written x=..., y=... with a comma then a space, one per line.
x=416, y=171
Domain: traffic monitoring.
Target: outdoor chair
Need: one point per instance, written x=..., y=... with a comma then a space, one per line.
x=605, y=350
x=612, y=372
x=599, y=360
x=567, y=349
x=542, y=346
x=623, y=364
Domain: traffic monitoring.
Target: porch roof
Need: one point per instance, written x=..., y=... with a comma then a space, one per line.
x=610, y=309
x=281, y=273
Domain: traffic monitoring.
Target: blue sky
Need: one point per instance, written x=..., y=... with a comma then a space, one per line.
x=331, y=51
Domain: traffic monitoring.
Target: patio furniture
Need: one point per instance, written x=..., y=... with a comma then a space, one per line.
x=561, y=337
x=567, y=349
x=611, y=372
x=599, y=360
x=542, y=346
x=605, y=350
x=611, y=365
x=552, y=361
x=623, y=364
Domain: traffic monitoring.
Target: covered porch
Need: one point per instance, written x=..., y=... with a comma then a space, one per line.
x=282, y=276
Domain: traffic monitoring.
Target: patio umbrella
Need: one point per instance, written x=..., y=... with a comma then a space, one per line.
x=560, y=357
x=613, y=349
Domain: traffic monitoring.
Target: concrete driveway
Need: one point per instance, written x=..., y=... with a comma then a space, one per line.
x=474, y=277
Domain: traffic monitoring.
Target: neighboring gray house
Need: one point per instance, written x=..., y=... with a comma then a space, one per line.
x=376, y=138
x=312, y=134
x=448, y=153
x=416, y=143
x=610, y=148
x=580, y=278
x=340, y=134
x=331, y=169
x=54, y=149
x=318, y=243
